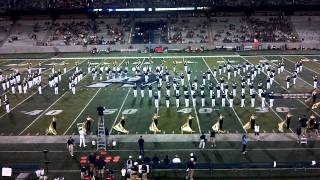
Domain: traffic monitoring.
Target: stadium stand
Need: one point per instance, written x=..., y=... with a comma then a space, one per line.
x=310, y=34
x=189, y=30
x=27, y=33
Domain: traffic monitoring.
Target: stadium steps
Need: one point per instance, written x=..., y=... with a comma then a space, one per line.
x=47, y=35
x=7, y=34
x=294, y=28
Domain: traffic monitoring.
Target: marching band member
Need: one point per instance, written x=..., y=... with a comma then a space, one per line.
x=271, y=99
x=177, y=100
x=243, y=97
x=231, y=100
x=186, y=100
x=223, y=99
x=315, y=82
x=203, y=101
x=142, y=91
x=252, y=120
x=253, y=99
x=150, y=91
x=135, y=93
x=213, y=100
x=288, y=81
x=167, y=101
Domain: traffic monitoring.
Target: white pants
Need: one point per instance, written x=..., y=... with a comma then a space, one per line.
x=218, y=93
x=315, y=83
x=82, y=141
x=213, y=102
x=243, y=90
x=159, y=94
x=150, y=93
x=203, y=81
x=211, y=92
x=231, y=103
x=259, y=92
x=263, y=102
x=234, y=73
x=188, y=77
x=186, y=101
x=156, y=103
x=242, y=103
x=223, y=102
x=252, y=102
x=167, y=103
x=177, y=103
x=202, y=144
x=271, y=102
x=7, y=108
x=40, y=90
x=182, y=82
x=135, y=93
x=288, y=85
x=194, y=102
x=234, y=92
x=268, y=85
x=294, y=80
x=73, y=90
x=56, y=90
x=142, y=93
x=228, y=75
x=203, y=102
x=168, y=92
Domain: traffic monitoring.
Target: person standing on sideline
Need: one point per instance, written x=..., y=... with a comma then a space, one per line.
x=202, y=143
x=212, y=138
x=70, y=145
x=298, y=132
x=256, y=131
x=190, y=169
x=141, y=145
x=244, y=142
x=82, y=140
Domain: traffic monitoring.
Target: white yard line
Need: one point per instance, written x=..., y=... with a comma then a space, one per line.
x=194, y=107
x=226, y=96
x=36, y=92
x=43, y=112
x=266, y=102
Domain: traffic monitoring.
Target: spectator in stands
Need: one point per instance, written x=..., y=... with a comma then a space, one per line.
x=166, y=160
x=83, y=171
x=190, y=169
x=212, y=138
x=141, y=146
x=146, y=160
x=92, y=159
x=155, y=159
x=129, y=163
x=176, y=160
x=101, y=166
x=244, y=142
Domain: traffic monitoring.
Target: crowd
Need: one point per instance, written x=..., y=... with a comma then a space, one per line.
x=188, y=30
x=272, y=29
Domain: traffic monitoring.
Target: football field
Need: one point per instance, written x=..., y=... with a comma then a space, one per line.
x=31, y=113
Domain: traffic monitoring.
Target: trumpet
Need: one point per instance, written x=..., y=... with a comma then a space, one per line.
x=281, y=126
x=154, y=128
x=51, y=131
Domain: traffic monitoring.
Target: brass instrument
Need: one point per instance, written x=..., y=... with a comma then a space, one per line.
x=281, y=126
x=186, y=128
x=51, y=131
x=153, y=127
x=215, y=128
x=315, y=105
x=247, y=125
x=118, y=127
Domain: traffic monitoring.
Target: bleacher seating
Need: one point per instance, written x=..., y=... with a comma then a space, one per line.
x=312, y=32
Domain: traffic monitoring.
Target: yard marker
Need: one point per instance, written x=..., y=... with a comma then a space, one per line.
x=43, y=112
x=226, y=97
